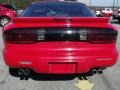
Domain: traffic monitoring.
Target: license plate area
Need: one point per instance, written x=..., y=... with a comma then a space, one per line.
x=62, y=68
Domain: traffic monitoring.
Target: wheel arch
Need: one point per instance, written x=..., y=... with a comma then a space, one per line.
x=5, y=16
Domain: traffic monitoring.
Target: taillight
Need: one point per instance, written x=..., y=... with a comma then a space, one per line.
x=24, y=35
x=102, y=37
x=98, y=36
x=33, y=35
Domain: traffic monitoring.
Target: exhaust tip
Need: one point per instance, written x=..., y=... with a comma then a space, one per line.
x=100, y=71
x=94, y=71
x=20, y=72
x=27, y=72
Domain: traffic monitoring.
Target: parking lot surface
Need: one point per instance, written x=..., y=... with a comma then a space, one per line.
x=109, y=80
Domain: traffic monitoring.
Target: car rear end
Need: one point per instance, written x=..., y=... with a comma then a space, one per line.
x=60, y=45
x=60, y=49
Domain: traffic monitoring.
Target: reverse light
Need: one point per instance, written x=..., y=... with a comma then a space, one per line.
x=41, y=34
x=83, y=35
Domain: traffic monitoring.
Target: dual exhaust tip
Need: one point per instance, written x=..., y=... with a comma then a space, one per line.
x=95, y=71
x=24, y=72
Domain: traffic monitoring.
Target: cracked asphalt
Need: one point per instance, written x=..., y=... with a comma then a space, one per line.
x=109, y=80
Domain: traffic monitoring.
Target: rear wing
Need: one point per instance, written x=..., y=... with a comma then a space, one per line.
x=38, y=22
x=60, y=20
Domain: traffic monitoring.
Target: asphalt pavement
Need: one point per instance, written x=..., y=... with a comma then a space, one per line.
x=109, y=80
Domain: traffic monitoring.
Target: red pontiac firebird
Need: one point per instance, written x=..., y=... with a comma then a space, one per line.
x=59, y=38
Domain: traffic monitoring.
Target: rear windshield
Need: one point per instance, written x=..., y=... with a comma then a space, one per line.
x=9, y=6
x=58, y=9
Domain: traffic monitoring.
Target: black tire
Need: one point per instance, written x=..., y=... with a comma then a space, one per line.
x=4, y=21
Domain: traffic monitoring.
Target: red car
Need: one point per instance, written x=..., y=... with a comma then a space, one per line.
x=7, y=12
x=59, y=38
x=107, y=12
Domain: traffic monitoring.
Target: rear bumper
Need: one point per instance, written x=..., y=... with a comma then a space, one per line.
x=59, y=61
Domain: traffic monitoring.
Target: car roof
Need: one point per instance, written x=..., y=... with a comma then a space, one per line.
x=56, y=2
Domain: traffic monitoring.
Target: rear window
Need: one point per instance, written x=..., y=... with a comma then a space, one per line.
x=58, y=9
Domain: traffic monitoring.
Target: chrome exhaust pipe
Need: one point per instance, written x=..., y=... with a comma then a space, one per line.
x=27, y=72
x=94, y=71
x=20, y=71
x=100, y=71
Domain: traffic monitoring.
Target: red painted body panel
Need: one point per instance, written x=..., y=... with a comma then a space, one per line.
x=7, y=12
x=60, y=57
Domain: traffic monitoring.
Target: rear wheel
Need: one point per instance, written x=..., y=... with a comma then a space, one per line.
x=4, y=21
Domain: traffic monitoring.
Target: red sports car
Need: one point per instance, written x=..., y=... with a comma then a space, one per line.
x=59, y=38
x=7, y=12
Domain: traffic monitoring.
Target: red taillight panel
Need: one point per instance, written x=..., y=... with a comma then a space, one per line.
x=33, y=35
x=20, y=36
x=104, y=36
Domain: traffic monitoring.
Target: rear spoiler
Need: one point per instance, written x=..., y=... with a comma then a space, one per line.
x=48, y=20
